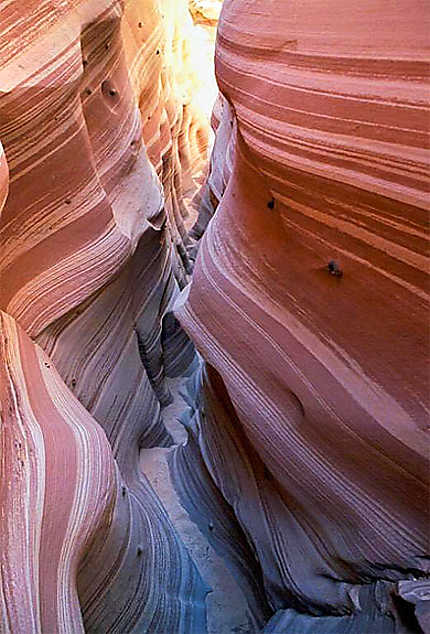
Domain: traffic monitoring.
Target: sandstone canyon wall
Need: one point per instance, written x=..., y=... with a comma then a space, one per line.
x=309, y=302
x=106, y=153
x=305, y=465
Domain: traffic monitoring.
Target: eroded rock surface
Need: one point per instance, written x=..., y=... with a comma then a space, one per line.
x=306, y=462
x=309, y=303
x=106, y=152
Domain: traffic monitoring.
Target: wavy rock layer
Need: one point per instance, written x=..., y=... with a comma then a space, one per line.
x=309, y=303
x=73, y=104
x=67, y=514
x=106, y=152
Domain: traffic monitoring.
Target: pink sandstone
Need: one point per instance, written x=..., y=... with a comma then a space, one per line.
x=92, y=254
x=309, y=303
x=306, y=465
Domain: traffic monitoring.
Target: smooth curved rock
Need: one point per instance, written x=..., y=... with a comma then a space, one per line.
x=309, y=300
x=79, y=548
x=306, y=464
x=47, y=523
x=59, y=221
x=93, y=252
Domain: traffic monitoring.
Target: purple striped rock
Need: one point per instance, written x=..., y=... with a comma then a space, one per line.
x=105, y=153
x=309, y=303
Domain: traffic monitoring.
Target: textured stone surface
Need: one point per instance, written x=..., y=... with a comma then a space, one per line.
x=83, y=105
x=106, y=152
x=81, y=546
x=309, y=303
x=305, y=463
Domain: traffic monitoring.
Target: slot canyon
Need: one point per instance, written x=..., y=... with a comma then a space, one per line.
x=214, y=339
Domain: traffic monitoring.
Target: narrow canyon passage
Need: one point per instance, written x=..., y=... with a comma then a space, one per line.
x=214, y=317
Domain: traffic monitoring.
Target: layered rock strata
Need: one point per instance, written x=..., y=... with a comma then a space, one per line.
x=305, y=464
x=106, y=152
x=309, y=303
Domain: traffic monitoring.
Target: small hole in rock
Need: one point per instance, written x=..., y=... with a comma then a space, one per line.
x=271, y=204
x=334, y=269
x=109, y=91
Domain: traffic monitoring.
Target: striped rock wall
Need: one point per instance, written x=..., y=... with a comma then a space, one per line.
x=106, y=153
x=309, y=302
x=83, y=548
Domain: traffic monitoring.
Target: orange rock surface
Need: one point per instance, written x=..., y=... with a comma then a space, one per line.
x=306, y=464
x=309, y=302
x=106, y=152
